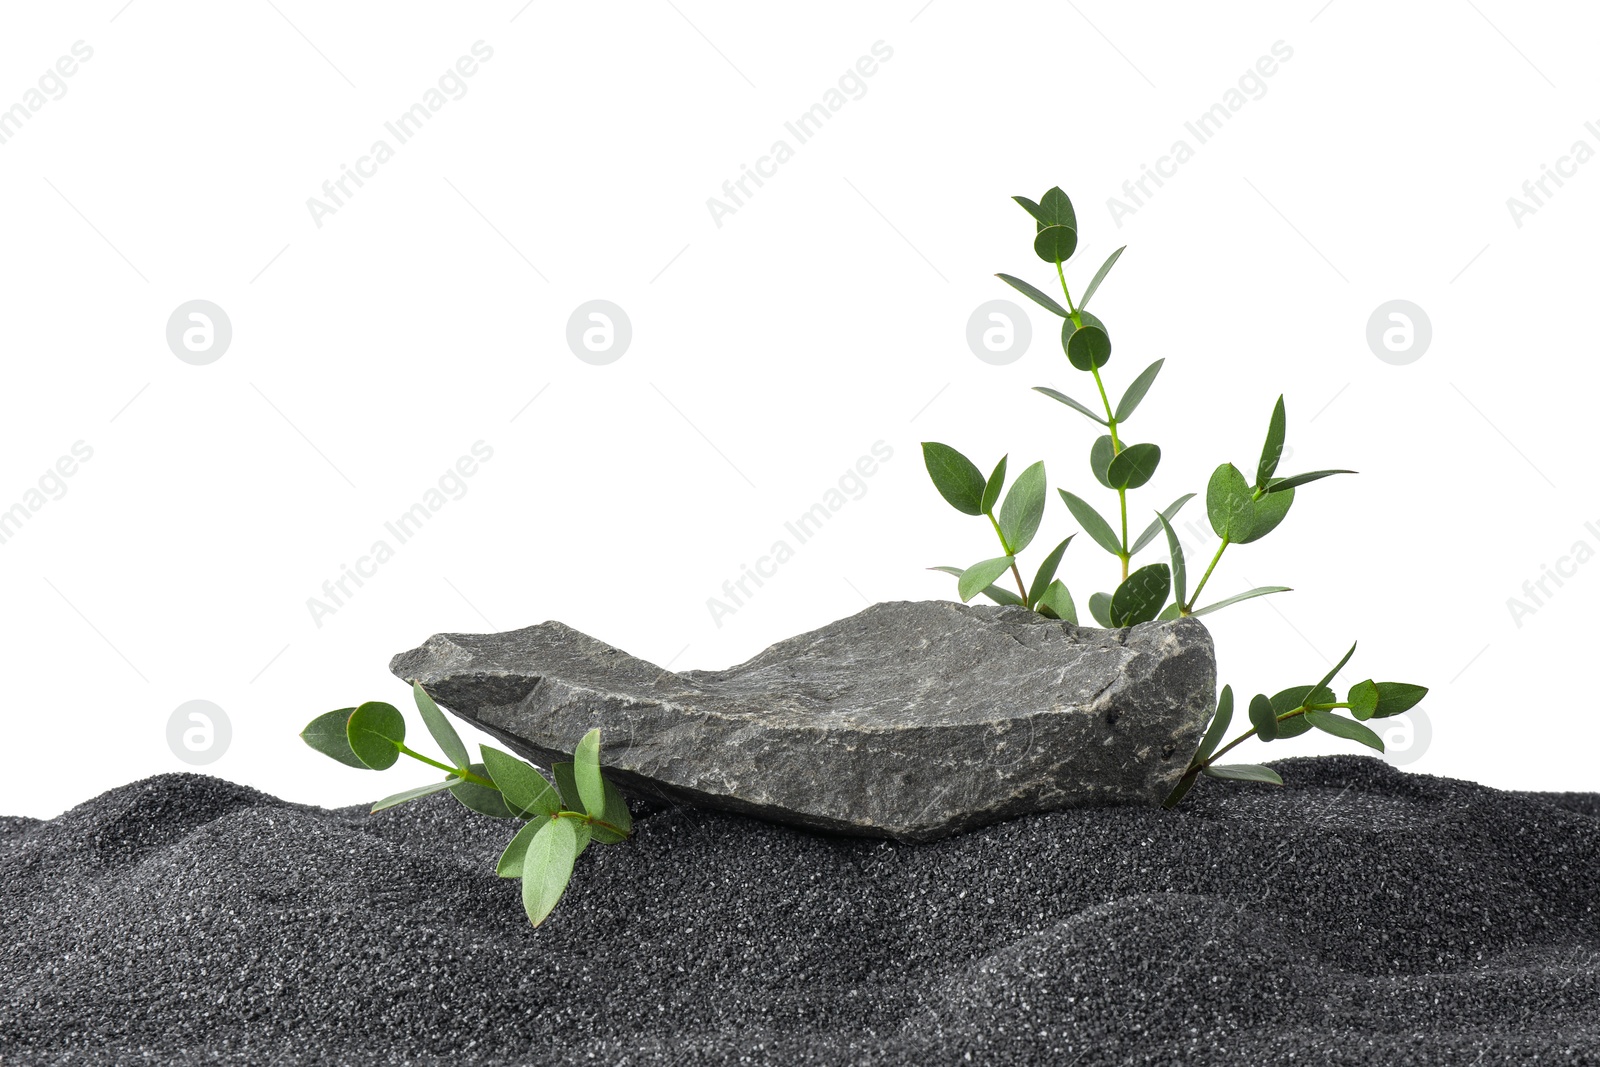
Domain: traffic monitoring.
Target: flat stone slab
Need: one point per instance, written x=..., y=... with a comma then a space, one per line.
x=909, y=720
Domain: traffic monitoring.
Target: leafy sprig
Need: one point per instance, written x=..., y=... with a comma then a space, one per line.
x=559, y=819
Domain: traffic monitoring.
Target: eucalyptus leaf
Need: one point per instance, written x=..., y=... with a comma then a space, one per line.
x=520, y=784
x=1093, y=525
x=1260, y=590
x=1169, y=513
x=1032, y=208
x=444, y=735
x=1245, y=772
x=1229, y=503
x=375, y=731
x=510, y=863
x=1038, y=296
x=414, y=794
x=1055, y=209
x=1087, y=346
x=1363, y=699
x=1023, y=509
x=1337, y=667
x=1100, y=276
x=1101, y=453
x=993, y=592
x=1218, y=728
x=547, y=868
x=1071, y=403
x=1141, y=385
x=481, y=798
x=991, y=488
x=1100, y=609
x=958, y=481
x=1278, y=485
x=1268, y=512
x=567, y=786
x=1056, y=602
x=979, y=575
x=1340, y=726
x=1134, y=466
x=1175, y=550
x=616, y=812
x=1141, y=596
x=586, y=771
x=1047, y=570
x=327, y=734
x=1272, y=451
x=1055, y=244
x=1397, y=697
x=1263, y=718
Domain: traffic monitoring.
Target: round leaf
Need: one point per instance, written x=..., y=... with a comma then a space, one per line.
x=1087, y=346
x=1140, y=598
x=1134, y=466
x=1263, y=718
x=1266, y=513
x=327, y=734
x=1363, y=699
x=1229, y=503
x=1101, y=453
x=1055, y=244
x=376, y=730
x=1055, y=208
x=1100, y=608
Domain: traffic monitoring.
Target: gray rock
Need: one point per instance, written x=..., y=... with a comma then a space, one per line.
x=908, y=720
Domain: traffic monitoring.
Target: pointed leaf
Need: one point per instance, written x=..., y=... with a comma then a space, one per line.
x=1278, y=485
x=414, y=794
x=1033, y=209
x=1023, y=509
x=1229, y=503
x=1294, y=697
x=444, y=735
x=1261, y=590
x=1339, y=726
x=1267, y=512
x=1136, y=391
x=1272, y=451
x=1092, y=523
x=376, y=730
x=1101, y=453
x=1154, y=528
x=1134, y=466
x=1175, y=549
x=327, y=734
x=1071, y=403
x=1326, y=678
x=1263, y=718
x=480, y=798
x=1217, y=729
x=567, y=785
x=1397, y=697
x=1047, y=570
x=1033, y=293
x=991, y=488
x=1057, y=603
x=1055, y=244
x=547, y=868
x=1100, y=609
x=510, y=863
x=1087, y=346
x=993, y=592
x=1170, y=612
x=979, y=575
x=1363, y=699
x=586, y=772
x=1094, y=284
x=1140, y=598
x=584, y=832
x=1055, y=209
x=520, y=784
x=616, y=812
x=1245, y=772
x=953, y=474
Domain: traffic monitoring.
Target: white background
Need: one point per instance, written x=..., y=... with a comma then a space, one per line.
x=770, y=352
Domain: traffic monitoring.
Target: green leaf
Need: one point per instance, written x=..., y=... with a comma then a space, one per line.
x=615, y=812
x=1175, y=549
x=1397, y=697
x=1047, y=570
x=1154, y=528
x=1038, y=296
x=1363, y=699
x=586, y=772
x=414, y=794
x=1229, y=503
x=1094, y=284
x=1272, y=451
x=510, y=863
x=1170, y=612
x=1260, y=590
x=1033, y=209
x=1023, y=509
x=376, y=730
x=1278, y=485
x=567, y=785
x=444, y=735
x=1268, y=512
x=1101, y=453
x=520, y=784
x=1055, y=244
x=547, y=868
x=1134, y=466
x=1055, y=209
x=1337, y=667
x=1141, y=385
x=991, y=488
x=1057, y=603
x=1140, y=598
x=1218, y=727
x=993, y=592
x=327, y=734
x=953, y=474
x=1339, y=726
x=1092, y=523
x=1289, y=699
x=1071, y=403
x=480, y=798
x=1245, y=772
x=1263, y=717
x=1087, y=346
x=585, y=833
x=975, y=577
x=1100, y=609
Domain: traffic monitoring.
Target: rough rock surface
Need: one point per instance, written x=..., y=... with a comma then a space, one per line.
x=907, y=720
x=1356, y=916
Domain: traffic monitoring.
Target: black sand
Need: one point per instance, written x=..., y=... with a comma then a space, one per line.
x=1359, y=915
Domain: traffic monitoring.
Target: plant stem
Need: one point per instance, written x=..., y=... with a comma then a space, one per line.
x=1111, y=424
x=1063, y=276
x=1014, y=572
x=1248, y=734
x=459, y=772
x=1194, y=597
x=592, y=821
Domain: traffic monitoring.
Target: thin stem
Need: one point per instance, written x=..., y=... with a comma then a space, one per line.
x=459, y=772
x=1063, y=276
x=1015, y=573
x=592, y=821
x=1194, y=598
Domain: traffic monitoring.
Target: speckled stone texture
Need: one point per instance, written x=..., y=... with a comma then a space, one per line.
x=1356, y=916
x=908, y=720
